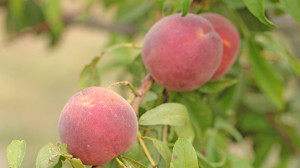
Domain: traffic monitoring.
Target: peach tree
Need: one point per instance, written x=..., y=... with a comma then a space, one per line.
x=209, y=87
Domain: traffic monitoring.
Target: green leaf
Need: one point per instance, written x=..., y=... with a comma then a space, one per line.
x=292, y=7
x=15, y=153
x=199, y=111
x=265, y=76
x=89, y=76
x=15, y=17
x=186, y=4
x=163, y=150
x=239, y=162
x=274, y=45
x=186, y=131
x=66, y=164
x=134, y=162
x=223, y=125
x=256, y=7
x=160, y=4
x=217, y=86
x=76, y=163
x=54, y=17
x=203, y=162
x=184, y=155
x=174, y=114
x=49, y=155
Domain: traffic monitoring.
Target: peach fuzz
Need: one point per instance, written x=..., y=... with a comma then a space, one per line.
x=182, y=53
x=97, y=125
x=230, y=38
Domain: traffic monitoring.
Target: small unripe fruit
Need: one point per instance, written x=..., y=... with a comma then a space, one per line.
x=230, y=38
x=182, y=53
x=97, y=125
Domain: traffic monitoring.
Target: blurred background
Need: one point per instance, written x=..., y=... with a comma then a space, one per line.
x=37, y=78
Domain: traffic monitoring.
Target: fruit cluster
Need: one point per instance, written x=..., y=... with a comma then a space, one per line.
x=180, y=53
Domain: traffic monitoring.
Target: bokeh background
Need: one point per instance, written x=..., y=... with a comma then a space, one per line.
x=36, y=80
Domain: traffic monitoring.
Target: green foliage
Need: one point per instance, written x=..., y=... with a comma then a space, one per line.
x=254, y=107
x=174, y=114
x=184, y=155
x=89, y=75
x=258, y=10
x=15, y=153
x=264, y=75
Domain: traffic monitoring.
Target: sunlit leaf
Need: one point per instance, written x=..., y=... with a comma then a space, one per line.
x=15, y=153
x=256, y=7
x=184, y=155
x=174, y=114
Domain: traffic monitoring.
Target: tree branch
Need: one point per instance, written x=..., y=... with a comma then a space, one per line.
x=142, y=90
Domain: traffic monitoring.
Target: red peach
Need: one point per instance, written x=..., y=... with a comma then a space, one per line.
x=97, y=125
x=182, y=53
x=230, y=38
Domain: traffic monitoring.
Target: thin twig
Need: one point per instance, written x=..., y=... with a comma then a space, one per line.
x=120, y=163
x=142, y=90
x=126, y=83
x=288, y=141
x=153, y=164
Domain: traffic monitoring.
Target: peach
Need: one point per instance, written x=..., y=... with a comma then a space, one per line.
x=230, y=38
x=182, y=53
x=97, y=125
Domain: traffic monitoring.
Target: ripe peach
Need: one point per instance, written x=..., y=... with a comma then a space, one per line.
x=230, y=38
x=182, y=53
x=97, y=125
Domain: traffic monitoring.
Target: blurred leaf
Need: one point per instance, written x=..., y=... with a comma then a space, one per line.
x=217, y=86
x=135, y=163
x=138, y=70
x=223, y=125
x=15, y=17
x=203, y=162
x=238, y=162
x=174, y=114
x=253, y=123
x=133, y=11
x=199, y=111
x=184, y=155
x=163, y=150
x=15, y=153
x=186, y=4
x=256, y=7
x=275, y=46
x=89, y=76
x=33, y=12
x=215, y=148
x=54, y=17
x=186, y=131
x=160, y=4
x=258, y=102
x=263, y=144
x=292, y=7
x=235, y=3
x=265, y=76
